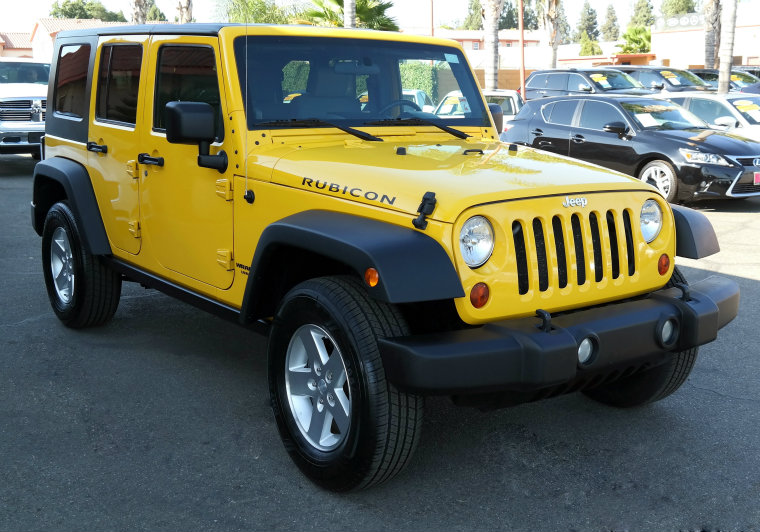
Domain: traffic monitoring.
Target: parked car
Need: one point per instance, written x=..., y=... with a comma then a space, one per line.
x=665, y=79
x=751, y=69
x=736, y=112
x=23, y=101
x=557, y=82
x=419, y=97
x=738, y=80
x=656, y=140
x=454, y=104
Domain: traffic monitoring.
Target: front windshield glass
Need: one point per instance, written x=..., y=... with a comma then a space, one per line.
x=660, y=115
x=612, y=79
x=352, y=82
x=682, y=78
x=749, y=107
x=13, y=72
x=742, y=79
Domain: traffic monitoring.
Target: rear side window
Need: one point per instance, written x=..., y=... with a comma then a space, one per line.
x=71, y=80
x=118, y=83
x=562, y=112
x=188, y=74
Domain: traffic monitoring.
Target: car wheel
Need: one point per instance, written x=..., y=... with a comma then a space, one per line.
x=83, y=291
x=653, y=384
x=662, y=176
x=341, y=421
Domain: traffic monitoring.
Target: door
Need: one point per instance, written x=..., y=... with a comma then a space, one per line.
x=114, y=136
x=186, y=211
x=550, y=128
x=589, y=142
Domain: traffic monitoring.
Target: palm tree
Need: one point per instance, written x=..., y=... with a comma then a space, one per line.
x=139, y=11
x=491, y=13
x=712, y=32
x=349, y=13
x=728, y=27
x=548, y=12
x=185, y=11
x=638, y=40
x=369, y=14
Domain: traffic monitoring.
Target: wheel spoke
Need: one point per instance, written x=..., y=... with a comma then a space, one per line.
x=314, y=346
x=319, y=423
x=298, y=382
x=340, y=411
x=334, y=366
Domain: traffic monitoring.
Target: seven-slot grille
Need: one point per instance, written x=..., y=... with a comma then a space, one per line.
x=583, y=246
x=21, y=110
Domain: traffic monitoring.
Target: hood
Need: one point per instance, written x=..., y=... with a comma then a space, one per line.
x=710, y=140
x=396, y=175
x=23, y=90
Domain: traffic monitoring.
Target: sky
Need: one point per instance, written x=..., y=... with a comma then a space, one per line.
x=411, y=15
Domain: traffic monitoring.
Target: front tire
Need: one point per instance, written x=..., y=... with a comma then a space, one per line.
x=653, y=384
x=83, y=291
x=341, y=421
x=662, y=176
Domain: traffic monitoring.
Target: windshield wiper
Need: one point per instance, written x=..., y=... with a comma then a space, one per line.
x=416, y=121
x=309, y=122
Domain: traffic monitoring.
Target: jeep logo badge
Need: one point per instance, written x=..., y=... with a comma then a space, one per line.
x=574, y=202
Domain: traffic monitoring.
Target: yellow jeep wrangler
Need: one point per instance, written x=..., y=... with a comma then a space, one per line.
x=279, y=177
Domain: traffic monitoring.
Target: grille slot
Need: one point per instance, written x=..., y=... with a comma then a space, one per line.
x=593, y=242
x=16, y=104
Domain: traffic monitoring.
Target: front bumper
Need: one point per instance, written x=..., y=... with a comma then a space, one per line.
x=711, y=181
x=21, y=137
x=517, y=355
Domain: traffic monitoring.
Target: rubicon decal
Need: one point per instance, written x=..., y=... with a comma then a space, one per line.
x=348, y=190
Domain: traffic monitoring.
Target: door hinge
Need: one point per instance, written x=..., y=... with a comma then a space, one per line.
x=224, y=259
x=132, y=169
x=224, y=189
x=134, y=228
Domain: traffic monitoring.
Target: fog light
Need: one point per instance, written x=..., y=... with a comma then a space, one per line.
x=479, y=295
x=586, y=351
x=669, y=332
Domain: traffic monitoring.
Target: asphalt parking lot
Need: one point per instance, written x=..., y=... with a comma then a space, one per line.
x=160, y=421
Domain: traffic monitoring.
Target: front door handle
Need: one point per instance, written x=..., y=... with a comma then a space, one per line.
x=579, y=139
x=144, y=158
x=537, y=132
x=97, y=148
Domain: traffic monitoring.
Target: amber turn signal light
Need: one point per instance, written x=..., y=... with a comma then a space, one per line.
x=663, y=265
x=479, y=295
x=371, y=277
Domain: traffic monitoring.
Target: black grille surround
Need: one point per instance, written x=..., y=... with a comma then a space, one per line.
x=744, y=185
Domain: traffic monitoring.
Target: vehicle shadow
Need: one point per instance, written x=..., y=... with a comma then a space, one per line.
x=728, y=205
x=15, y=165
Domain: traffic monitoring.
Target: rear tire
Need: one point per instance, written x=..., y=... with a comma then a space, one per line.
x=343, y=423
x=83, y=291
x=653, y=384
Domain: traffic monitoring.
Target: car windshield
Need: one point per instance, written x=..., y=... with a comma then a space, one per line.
x=612, y=79
x=24, y=73
x=749, y=107
x=352, y=82
x=683, y=78
x=742, y=79
x=661, y=114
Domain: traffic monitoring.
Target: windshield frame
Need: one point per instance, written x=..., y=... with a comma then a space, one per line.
x=268, y=56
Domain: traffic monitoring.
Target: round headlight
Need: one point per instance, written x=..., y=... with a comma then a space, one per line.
x=650, y=220
x=476, y=241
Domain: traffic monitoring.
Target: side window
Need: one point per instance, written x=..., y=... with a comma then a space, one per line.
x=537, y=82
x=647, y=78
x=118, y=83
x=595, y=115
x=563, y=112
x=576, y=81
x=557, y=81
x=186, y=73
x=71, y=80
x=708, y=110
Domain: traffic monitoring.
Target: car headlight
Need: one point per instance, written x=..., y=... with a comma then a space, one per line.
x=700, y=157
x=650, y=220
x=476, y=241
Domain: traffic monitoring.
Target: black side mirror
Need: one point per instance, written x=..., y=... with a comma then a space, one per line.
x=498, y=116
x=194, y=123
x=657, y=86
x=618, y=128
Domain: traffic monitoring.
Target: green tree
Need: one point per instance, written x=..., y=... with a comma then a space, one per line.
x=589, y=47
x=154, y=13
x=587, y=24
x=671, y=8
x=85, y=9
x=643, y=15
x=474, y=19
x=565, y=31
x=638, y=40
x=508, y=18
x=610, y=29
x=261, y=11
x=369, y=14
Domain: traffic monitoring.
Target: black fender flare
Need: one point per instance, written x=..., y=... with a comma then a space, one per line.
x=412, y=266
x=75, y=181
x=695, y=236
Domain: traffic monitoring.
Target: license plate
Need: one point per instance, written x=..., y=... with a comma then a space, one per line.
x=757, y=178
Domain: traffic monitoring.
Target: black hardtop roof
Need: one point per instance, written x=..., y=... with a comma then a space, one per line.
x=206, y=28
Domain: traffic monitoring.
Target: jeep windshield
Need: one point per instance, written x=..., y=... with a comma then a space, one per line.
x=17, y=72
x=352, y=83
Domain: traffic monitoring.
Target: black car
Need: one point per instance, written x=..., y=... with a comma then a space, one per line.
x=554, y=82
x=738, y=82
x=654, y=140
x=666, y=79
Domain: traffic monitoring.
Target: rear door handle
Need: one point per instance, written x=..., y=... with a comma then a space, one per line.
x=144, y=158
x=97, y=148
x=579, y=139
x=537, y=132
